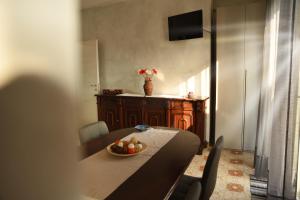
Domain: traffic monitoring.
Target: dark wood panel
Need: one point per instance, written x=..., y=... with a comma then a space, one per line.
x=132, y=117
x=155, y=118
x=200, y=122
x=155, y=112
x=109, y=111
x=132, y=112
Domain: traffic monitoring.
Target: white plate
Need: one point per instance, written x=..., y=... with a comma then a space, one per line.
x=125, y=155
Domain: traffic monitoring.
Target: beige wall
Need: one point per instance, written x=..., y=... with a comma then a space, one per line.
x=135, y=33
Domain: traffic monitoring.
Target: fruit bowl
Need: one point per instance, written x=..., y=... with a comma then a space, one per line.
x=108, y=148
x=126, y=148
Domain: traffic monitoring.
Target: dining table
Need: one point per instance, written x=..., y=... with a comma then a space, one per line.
x=152, y=174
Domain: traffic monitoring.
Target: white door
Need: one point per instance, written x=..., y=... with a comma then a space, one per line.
x=240, y=30
x=89, y=82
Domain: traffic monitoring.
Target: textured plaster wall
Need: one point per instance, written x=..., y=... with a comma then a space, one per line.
x=135, y=33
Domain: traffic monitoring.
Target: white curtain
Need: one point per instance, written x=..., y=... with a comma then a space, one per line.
x=276, y=127
x=267, y=90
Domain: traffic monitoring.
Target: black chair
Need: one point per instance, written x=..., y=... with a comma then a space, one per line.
x=189, y=188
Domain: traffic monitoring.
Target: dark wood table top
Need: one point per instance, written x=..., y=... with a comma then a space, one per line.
x=157, y=178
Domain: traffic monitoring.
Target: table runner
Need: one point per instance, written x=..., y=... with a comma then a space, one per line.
x=102, y=173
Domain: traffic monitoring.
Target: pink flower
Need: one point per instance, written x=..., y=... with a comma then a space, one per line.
x=154, y=71
x=142, y=71
x=147, y=73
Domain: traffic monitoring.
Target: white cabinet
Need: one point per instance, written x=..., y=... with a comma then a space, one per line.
x=240, y=31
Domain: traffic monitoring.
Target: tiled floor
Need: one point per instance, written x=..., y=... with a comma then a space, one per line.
x=233, y=181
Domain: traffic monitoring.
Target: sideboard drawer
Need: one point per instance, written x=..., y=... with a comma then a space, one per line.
x=181, y=105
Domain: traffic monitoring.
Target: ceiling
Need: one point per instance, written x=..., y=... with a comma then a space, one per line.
x=97, y=3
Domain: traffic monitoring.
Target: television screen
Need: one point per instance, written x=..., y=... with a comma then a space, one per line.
x=186, y=26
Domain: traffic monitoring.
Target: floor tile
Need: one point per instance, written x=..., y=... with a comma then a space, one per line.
x=233, y=182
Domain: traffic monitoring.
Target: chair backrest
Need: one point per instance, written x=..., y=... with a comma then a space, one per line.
x=92, y=131
x=209, y=177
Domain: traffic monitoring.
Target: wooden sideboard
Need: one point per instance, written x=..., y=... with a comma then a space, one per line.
x=123, y=111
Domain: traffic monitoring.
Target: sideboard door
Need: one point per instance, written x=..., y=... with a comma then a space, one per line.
x=133, y=114
x=109, y=111
x=182, y=120
x=182, y=115
x=155, y=112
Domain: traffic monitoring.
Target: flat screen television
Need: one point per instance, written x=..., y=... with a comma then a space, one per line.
x=186, y=26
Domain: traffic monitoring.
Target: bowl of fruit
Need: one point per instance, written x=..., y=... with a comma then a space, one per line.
x=126, y=148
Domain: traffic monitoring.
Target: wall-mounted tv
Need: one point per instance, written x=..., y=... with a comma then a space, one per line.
x=186, y=26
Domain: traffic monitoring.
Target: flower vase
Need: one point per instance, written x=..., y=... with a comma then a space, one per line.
x=148, y=87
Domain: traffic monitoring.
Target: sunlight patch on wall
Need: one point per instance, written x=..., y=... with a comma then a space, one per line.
x=205, y=86
x=198, y=84
x=191, y=84
x=182, y=88
x=205, y=82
